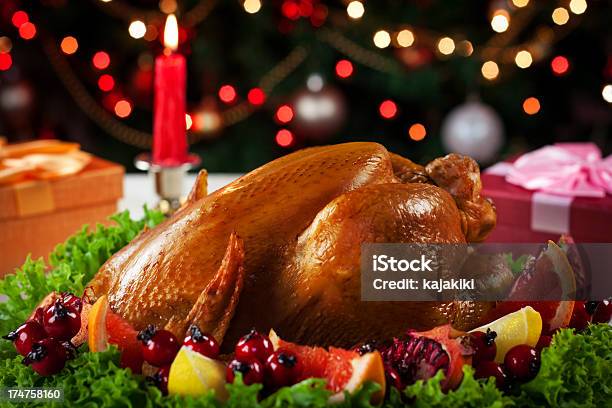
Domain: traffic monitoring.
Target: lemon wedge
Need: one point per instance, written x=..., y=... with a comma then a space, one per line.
x=521, y=327
x=194, y=374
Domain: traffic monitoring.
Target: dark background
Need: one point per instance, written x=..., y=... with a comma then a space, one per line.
x=48, y=94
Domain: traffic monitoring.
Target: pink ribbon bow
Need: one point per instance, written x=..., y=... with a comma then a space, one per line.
x=569, y=169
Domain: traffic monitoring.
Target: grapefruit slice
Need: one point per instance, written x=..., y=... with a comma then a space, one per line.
x=106, y=327
x=551, y=279
x=344, y=370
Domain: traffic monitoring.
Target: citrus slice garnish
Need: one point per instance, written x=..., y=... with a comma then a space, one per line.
x=521, y=327
x=193, y=374
x=97, y=337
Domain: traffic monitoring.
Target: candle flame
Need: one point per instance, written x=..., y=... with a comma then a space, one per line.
x=171, y=33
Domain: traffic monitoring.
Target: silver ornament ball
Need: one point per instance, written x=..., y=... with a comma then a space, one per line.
x=473, y=129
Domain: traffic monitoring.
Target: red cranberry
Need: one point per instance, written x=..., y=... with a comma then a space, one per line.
x=394, y=379
x=543, y=342
x=159, y=347
x=282, y=368
x=522, y=362
x=25, y=336
x=47, y=357
x=251, y=369
x=160, y=379
x=603, y=312
x=254, y=345
x=484, y=346
x=201, y=343
x=488, y=369
x=580, y=317
x=71, y=300
x=61, y=322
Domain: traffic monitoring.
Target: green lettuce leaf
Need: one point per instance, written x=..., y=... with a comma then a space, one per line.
x=576, y=371
x=471, y=393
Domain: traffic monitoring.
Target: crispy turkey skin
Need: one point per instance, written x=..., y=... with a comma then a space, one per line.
x=280, y=248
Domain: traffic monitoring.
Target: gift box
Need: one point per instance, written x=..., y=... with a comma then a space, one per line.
x=36, y=215
x=559, y=189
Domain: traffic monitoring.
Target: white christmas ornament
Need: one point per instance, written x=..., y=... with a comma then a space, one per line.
x=473, y=129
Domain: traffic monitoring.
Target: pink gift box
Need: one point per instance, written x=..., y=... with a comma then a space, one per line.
x=534, y=216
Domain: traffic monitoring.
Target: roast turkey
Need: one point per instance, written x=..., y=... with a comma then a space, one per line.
x=280, y=248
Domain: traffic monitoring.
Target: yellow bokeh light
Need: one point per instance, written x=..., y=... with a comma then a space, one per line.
x=520, y=3
x=405, y=38
x=523, y=59
x=69, y=45
x=382, y=39
x=560, y=16
x=251, y=6
x=137, y=29
x=531, y=106
x=500, y=21
x=490, y=70
x=606, y=92
x=446, y=45
x=578, y=6
x=355, y=9
x=167, y=6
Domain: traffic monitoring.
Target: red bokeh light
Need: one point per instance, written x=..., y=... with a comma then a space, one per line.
x=27, y=31
x=20, y=18
x=306, y=8
x=256, y=96
x=319, y=15
x=291, y=10
x=560, y=65
x=344, y=68
x=5, y=61
x=284, y=114
x=227, y=93
x=106, y=82
x=284, y=138
x=388, y=109
x=101, y=60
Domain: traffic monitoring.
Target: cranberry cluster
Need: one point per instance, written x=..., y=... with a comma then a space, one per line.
x=44, y=340
x=521, y=362
x=590, y=312
x=256, y=360
x=159, y=347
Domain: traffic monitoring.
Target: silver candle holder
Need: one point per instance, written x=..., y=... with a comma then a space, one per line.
x=168, y=180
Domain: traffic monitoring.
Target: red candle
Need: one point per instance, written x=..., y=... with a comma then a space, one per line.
x=169, y=135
